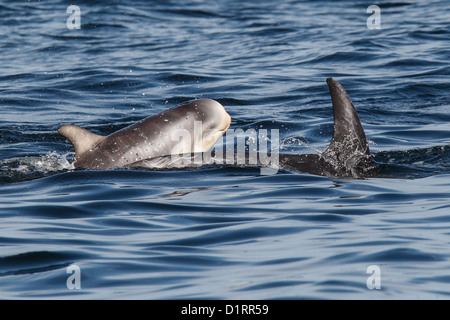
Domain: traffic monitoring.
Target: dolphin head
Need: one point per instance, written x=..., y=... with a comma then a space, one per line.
x=195, y=126
x=215, y=122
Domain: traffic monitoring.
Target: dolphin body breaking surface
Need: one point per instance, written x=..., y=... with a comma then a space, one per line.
x=148, y=143
x=151, y=137
x=348, y=154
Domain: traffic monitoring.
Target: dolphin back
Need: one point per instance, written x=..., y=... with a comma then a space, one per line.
x=348, y=151
x=192, y=126
x=81, y=139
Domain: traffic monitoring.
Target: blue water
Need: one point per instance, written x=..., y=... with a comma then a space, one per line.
x=223, y=232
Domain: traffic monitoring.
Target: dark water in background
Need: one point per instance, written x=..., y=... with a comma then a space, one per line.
x=226, y=233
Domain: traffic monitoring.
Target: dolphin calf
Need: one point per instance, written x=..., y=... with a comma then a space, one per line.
x=152, y=137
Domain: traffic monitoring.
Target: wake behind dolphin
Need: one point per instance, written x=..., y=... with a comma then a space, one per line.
x=150, y=144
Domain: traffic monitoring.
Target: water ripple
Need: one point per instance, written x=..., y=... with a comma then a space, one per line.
x=223, y=232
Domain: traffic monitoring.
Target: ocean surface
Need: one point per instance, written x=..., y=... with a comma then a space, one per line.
x=220, y=232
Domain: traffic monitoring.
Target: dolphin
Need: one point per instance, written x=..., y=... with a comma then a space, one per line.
x=152, y=137
x=347, y=156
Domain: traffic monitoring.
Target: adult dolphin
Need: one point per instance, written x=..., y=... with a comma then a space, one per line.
x=204, y=121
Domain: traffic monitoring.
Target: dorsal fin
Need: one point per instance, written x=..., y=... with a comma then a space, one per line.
x=81, y=139
x=349, y=145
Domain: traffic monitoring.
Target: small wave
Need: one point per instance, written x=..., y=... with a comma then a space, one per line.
x=32, y=167
x=414, y=163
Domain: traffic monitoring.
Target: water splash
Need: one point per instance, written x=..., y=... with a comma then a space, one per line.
x=32, y=167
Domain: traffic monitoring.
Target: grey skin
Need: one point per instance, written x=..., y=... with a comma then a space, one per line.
x=347, y=156
x=152, y=137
